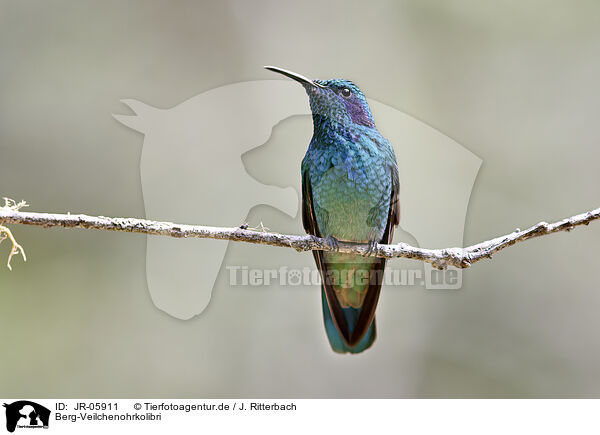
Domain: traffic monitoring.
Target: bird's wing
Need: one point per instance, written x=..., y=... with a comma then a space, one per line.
x=394, y=215
x=309, y=220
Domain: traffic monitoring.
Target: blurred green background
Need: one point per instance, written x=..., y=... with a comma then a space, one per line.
x=514, y=82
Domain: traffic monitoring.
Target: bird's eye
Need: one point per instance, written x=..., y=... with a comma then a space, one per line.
x=346, y=93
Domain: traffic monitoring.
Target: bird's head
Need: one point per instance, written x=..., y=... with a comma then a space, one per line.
x=337, y=100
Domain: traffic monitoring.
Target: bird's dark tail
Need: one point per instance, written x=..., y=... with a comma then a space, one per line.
x=335, y=338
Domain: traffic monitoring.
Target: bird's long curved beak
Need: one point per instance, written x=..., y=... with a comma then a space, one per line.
x=294, y=76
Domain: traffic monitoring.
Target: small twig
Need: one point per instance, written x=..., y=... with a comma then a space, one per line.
x=260, y=228
x=16, y=249
x=439, y=258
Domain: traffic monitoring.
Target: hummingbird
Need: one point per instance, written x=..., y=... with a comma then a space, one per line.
x=350, y=191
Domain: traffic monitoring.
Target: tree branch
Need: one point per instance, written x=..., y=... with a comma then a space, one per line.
x=439, y=258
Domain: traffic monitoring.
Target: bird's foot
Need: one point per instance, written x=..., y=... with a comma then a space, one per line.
x=332, y=242
x=371, y=249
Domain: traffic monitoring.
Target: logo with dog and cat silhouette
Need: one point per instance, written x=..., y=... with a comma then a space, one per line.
x=25, y=414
